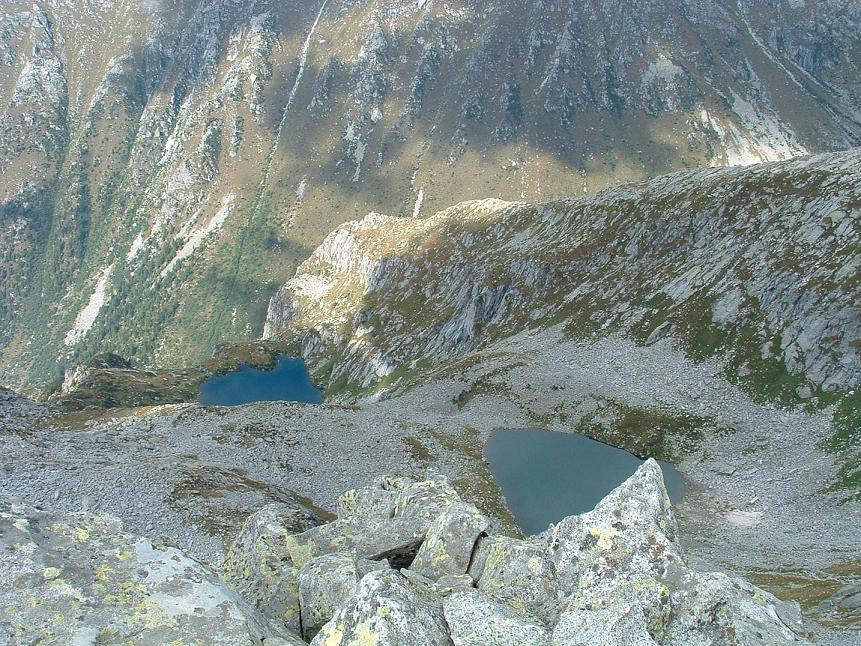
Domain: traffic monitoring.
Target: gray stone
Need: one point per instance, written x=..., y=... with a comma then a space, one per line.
x=455, y=583
x=260, y=565
x=517, y=573
x=396, y=496
x=395, y=539
x=426, y=499
x=630, y=533
x=388, y=520
x=847, y=598
x=389, y=610
x=651, y=597
x=448, y=546
x=617, y=624
x=327, y=583
x=80, y=579
x=713, y=608
x=475, y=620
x=376, y=501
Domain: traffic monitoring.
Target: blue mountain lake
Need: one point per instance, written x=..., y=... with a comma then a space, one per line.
x=546, y=476
x=287, y=381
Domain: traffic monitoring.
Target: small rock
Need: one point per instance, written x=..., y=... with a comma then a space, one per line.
x=475, y=620
x=449, y=543
x=455, y=583
x=388, y=610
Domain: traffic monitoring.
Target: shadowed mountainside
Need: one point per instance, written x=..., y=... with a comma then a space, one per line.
x=165, y=167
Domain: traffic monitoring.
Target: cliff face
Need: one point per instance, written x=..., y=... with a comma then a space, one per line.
x=166, y=166
x=759, y=265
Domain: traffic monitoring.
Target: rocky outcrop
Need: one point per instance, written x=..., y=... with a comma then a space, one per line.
x=615, y=575
x=260, y=567
x=273, y=564
x=105, y=361
x=18, y=414
x=80, y=579
x=109, y=381
x=758, y=264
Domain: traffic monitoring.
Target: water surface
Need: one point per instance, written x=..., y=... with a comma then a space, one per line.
x=547, y=476
x=287, y=381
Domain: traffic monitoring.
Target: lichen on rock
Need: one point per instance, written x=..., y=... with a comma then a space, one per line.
x=80, y=579
x=615, y=575
x=405, y=563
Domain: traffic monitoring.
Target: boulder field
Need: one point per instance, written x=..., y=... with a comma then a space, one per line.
x=405, y=563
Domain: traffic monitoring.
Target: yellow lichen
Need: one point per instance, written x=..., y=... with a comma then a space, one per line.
x=82, y=534
x=299, y=554
x=51, y=573
x=154, y=616
x=534, y=564
x=103, y=572
x=366, y=635
x=604, y=535
x=333, y=634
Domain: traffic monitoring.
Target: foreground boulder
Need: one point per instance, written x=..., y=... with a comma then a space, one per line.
x=389, y=608
x=385, y=522
x=79, y=579
x=410, y=563
x=259, y=565
x=327, y=583
x=476, y=620
x=405, y=563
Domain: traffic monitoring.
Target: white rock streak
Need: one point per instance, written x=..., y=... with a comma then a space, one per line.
x=417, y=209
x=87, y=316
x=135, y=249
x=303, y=59
x=198, y=237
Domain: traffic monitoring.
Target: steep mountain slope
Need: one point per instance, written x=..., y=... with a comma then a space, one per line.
x=165, y=166
x=761, y=262
x=758, y=267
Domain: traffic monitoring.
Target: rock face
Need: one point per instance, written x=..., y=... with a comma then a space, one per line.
x=259, y=566
x=615, y=575
x=79, y=579
x=106, y=361
x=759, y=264
x=272, y=563
x=158, y=183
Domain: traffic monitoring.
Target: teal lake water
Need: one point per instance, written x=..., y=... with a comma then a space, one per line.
x=287, y=381
x=547, y=476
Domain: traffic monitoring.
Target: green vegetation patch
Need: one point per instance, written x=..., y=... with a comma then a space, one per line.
x=810, y=589
x=648, y=432
x=111, y=383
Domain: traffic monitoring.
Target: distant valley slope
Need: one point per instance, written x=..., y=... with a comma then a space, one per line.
x=165, y=167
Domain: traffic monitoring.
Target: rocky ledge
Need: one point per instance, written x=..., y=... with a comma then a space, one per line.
x=78, y=579
x=404, y=563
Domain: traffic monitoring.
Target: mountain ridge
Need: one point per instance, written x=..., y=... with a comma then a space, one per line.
x=748, y=243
